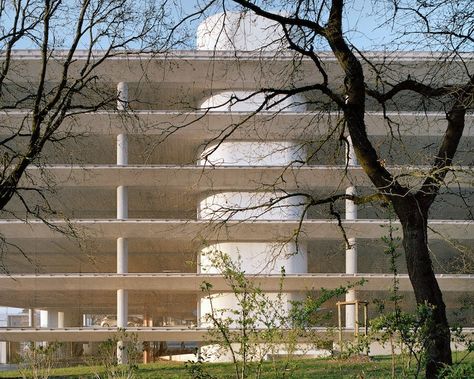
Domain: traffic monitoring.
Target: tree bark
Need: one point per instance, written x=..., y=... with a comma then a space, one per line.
x=413, y=216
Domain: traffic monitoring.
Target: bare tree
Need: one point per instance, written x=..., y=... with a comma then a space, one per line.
x=446, y=85
x=70, y=41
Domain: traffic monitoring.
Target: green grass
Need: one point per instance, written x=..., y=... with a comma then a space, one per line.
x=377, y=367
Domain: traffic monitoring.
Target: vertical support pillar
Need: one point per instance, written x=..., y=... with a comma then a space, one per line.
x=122, y=294
x=351, y=248
x=122, y=149
x=122, y=203
x=350, y=154
x=31, y=318
x=122, y=255
x=61, y=320
x=122, y=96
x=351, y=268
x=51, y=319
x=122, y=214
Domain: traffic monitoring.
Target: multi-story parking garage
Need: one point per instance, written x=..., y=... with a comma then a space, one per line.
x=142, y=192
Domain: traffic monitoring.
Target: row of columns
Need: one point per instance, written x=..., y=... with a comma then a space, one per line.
x=52, y=319
x=122, y=243
x=122, y=214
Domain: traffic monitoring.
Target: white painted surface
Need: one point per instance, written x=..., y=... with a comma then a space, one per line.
x=122, y=255
x=216, y=353
x=257, y=257
x=122, y=149
x=350, y=153
x=239, y=31
x=122, y=203
x=60, y=319
x=350, y=309
x=266, y=308
x=351, y=256
x=245, y=101
x=254, y=153
x=251, y=206
x=351, y=207
x=31, y=318
x=351, y=249
x=48, y=319
x=122, y=308
x=351, y=268
x=122, y=96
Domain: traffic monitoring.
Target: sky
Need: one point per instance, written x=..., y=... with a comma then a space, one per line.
x=364, y=29
x=365, y=22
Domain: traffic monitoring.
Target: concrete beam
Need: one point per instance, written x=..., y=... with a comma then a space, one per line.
x=142, y=333
x=226, y=178
x=203, y=126
x=224, y=231
x=102, y=334
x=192, y=282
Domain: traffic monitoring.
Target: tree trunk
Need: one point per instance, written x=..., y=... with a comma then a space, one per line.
x=427, y=292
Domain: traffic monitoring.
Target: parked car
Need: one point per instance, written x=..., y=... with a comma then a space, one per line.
x=111, y=321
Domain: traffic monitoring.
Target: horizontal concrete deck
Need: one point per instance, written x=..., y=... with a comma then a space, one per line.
x=181, y=282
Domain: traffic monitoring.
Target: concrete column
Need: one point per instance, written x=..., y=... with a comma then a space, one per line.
x=122, y=203
x=351, y=207
x=48, y=319
x=43, y=319
x=350, y=154
x=351, y=268
x=351, y=248
x=122, y=96
x=31, y=318
x=122, y=214
x=122, y=308
x=351, y=257
x=122, y=258
x=122, y=255
x=61, y=320
x=122, y=149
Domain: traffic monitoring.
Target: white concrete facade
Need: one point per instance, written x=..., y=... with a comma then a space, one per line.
x=152, y=192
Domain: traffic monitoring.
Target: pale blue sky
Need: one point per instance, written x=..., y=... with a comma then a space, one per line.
x=364, y=28
x=365, y=22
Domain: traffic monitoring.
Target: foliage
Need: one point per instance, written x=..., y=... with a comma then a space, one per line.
x=327, y=368
x=261, y=326
x=319, y=34
x=107, y=358
x=37, y=361
x=197, y=369
x=408, y=334
x=458, y=371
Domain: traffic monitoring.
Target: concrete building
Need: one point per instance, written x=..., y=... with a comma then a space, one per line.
x=151, y=190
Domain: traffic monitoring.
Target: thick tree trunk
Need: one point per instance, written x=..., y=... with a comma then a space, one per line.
x=426, y=288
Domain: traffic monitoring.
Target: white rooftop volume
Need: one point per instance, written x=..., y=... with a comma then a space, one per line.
x=246, y=31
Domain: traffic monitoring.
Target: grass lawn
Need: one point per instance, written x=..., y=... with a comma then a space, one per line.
x=377, y=367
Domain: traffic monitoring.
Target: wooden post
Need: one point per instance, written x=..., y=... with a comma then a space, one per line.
x=339, y=320
x=365, y=319
x=356, y=304
x=356, y=319
x=146, y=345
